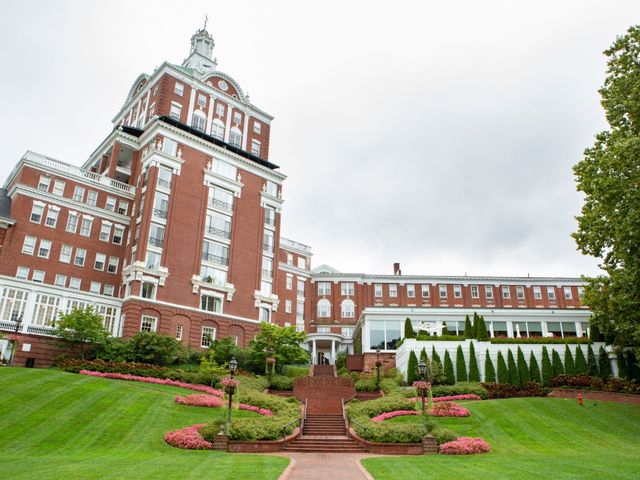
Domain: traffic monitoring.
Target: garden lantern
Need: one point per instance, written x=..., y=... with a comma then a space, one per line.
x=231, y=383
x=233, y=366
x=422, y=369
x=378, y=365
x=15, y=340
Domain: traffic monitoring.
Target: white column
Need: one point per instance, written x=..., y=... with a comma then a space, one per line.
x=227, y=127
x=245, y=133
x=192, y=99
x=210, y=114
x=314, y=353
x=333, y=352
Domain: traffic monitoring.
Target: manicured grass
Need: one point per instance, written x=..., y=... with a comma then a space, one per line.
x=56, y=425
x=531, y=438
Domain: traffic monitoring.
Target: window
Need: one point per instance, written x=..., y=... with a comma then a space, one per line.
x=324, y=288
x=58, y=187
x=267, y=268
x=270, y=217
x=568, y=295
x=581, y=293
x=110, y=204
x=92, y=198
x=52, y=216
x=289, y=259
x=377, y=290
x=425, y=291
x=257, y=127
x=302, y=263
x=13, y=304
x=44, y=183
x=170, y=147
x=457, y=291
x=324, y=308
x=72, y=222
x=255, y=147
x=235, y=137
x=65, y=253
x=45, y=248
x=323, y=330
x=347, y=332
x=202, y=100
x=346, y=289
x=85, y=227
x=199, y=121
x=265, y=315
x=300, y=288
x=411, y=291
x=224, y=169
x=74, y=283
x=29, y=245
x=289, y=281
x=148, y=290
x=551, y=293
x=217, y=129
x=443, y=291
x=108, y=290
x=22, y=273
x=488, y=292
x=61, y=280
x=520, y=292
x=208, y=336
x=220, y=199
x=347, y=308
x=506, y=292
x=38, y=276
x=156, y=235
x=220, y=109
x=112, y=266
x=152, y=261
x=237, y=118
x=272, y=188
x=160, y=205
x=105, y=231
x=268, y=245
x=300, y=312
x=474, y=291
x=101, y=258
x=537, y=293
x=46, y=309
x=152, y=109
x=148, y=324
x=215, y=252
x=123, y=207
x=213, y=275
x=36, y=212
x=95, y=287
x=265, y=287
x=210, y=303
x=287, y=306
x=78, y=193
x=175, y=111
x=118, y=233
x=81, y=255
x=178, y=89
x=179, y=332
x=393, y=290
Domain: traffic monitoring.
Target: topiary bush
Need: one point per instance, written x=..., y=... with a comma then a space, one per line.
x=523, y=369
x=459, y=389
x=408, y=329
x=514, y=377
x=547, y=369
x=556, y=364
x=569, y=364
x=581, y=362
x=534, y=370
x=412, y=368
x=503, y=372
x=448, y=369
x=604, y=364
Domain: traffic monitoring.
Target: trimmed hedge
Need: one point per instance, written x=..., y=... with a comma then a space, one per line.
x=281, y=382
x=529, y=389
x=614, y=385
x=541, y=340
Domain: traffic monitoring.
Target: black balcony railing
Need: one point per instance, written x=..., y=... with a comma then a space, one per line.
x=217, y=259
x=159, y=213
x=219, y=204
x=164, y=183
x=156, y=241
x=218, y=232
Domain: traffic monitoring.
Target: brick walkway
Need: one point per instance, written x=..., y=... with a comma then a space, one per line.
x=333, y=466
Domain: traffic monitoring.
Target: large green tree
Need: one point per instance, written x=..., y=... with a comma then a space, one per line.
x=609, y=176
x=82, y=328
x=281, y=343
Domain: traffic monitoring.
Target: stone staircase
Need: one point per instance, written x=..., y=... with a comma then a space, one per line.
x=323, y=371
x=324, y=433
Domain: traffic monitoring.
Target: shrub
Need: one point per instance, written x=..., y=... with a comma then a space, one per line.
x=372, y=408
x=547, y=369
x=523, y=369
x=592, y=363
x=534, y=370
x=275, y=404
x=448, y=409
x=391, y=432
x=464, y=446
x=252, y=408
x=461, y=366
x=503, y=372
x=408, y=329
x=577, y=381
x=412, y=368
x=556, y=364
x=389, y=386
x=514, y=376
x=489, y=370
x=343, y=372
x=443, y=435
x=569, y=364
x=251, y=382
x=474, y=372
x=530, y=389
x=440, y=338
x=483, y=334
x=150, y=347
x=468, y=329
x=541, y=340
x=366, y=383
x=294, y=371
x=604, y=364
x=280, y=382
x=623, y=371
x=251, y=429
x=423, y=355
x=434, y=355
x=581, y=362
x=448, y=369
x=200, y=400
x=157, y=381
x=188, y=437
x=341, y=362
x=459, y=389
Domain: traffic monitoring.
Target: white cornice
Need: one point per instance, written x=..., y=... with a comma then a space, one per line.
x=513, y=313
x=293, y=269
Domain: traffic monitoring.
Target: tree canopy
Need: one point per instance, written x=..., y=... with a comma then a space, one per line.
x=609, y=177
x=81, y=327
x=281, y=343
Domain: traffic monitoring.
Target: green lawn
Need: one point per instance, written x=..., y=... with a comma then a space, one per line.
x=532, y=438
x=59, y=425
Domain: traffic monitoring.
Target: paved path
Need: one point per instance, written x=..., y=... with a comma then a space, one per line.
x=333, y=466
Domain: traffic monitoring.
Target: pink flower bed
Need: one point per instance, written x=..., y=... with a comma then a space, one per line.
x=464, y=446
x=450, y=398
x=188, y=437
x=448, y=409
x=200, y=400
x=159, y=381
x=398, y=413
x=262, y=411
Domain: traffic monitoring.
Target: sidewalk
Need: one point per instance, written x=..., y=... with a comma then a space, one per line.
x=334, y=466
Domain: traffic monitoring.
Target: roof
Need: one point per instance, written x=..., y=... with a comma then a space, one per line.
x=5, y=204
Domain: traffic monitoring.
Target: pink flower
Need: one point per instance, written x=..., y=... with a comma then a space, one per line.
x=188, y=437
x=251, y=408
x=468, y=396
x=421, y=385
x=200, y=400
x=464, y=446
x=448, y=409
x=388, y=415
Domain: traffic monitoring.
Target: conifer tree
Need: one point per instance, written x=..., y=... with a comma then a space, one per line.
x=569, y=364
x=489, y=370
x=604, y=364
x=632, y=366
x=556, y=363
x=503, y=372
x=448, y=368
x=408, y=329
x=468, y=329
x=534, y=369
x=547, y=369
x=581, y=362
x=445, y=330
x=461, y=366
x=523, y=369
x=483, y=334
x=592, y=363
x=476, y=324
x=423, y=355
x=474, y=372
x=623, y=371
x=412, y=368
x=434, y=356
x=514, y=378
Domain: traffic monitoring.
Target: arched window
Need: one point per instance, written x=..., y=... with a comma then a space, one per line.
x=199, y=121
x=324, y=308
x=348, y=309
x=217, y=129
x=235, y=137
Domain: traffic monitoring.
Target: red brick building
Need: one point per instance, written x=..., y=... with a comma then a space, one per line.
x=173, y=226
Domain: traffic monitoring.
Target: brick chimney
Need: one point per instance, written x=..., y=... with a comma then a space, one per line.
x=396, y=269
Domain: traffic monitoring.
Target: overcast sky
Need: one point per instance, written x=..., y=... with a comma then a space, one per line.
x=437, y=134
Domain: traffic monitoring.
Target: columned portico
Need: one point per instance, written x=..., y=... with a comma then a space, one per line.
x=325, y=347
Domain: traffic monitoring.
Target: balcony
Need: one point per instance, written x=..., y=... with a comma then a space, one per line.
x=157, y=212
x=267, y=247
x=156, y=241
x=218, y=232
x=217, y=259
x=166, y=184
x=220, y=205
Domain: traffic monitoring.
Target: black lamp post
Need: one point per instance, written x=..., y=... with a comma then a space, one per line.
x=233, y=365
x=15, y=333
x=378, y=365
x=422, y=369
x=271, y=361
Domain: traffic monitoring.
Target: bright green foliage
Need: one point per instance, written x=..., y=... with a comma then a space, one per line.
x=408, y=329
x=483, y=334
x=623, y=370
x=604, y=364
x=503, y=371
x=461, y=366
x=148, y=347
x=569, y=364
x=534, y=369
x=445, y=330
x=547, y=369
x=592, y=363
x=556, y=363
x=448, y=368
x=514, y=377
x=474, y=372
x=221, y=350
x=476, y=324
x=211, y=368
x=489, y=370
x=609, y=175
x=468, y=329
x=282, y=343
x=581, y=362
x=82, y=328
x=412, y=368
x=523, y=369
x=434, y=355
x=423, y=355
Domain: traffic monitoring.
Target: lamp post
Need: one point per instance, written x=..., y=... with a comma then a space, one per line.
x=271, y=361
x=233, y=365
x=15, y=340
x=422, y=369
x=378, y=365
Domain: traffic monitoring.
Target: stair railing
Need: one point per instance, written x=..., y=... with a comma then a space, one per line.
x=366, y=445
x=287, y=425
